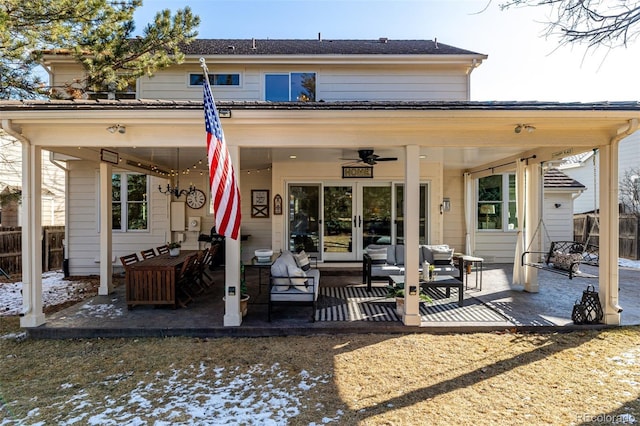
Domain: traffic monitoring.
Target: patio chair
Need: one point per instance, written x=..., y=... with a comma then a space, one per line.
x=183, y=283
x=129, y=259
x=163, y=249
x=148, y=253
x=209, y=255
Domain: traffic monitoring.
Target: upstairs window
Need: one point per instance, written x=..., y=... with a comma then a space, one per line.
x=215, y=79
x=130, y=208
x=290, y=87
x=497, y=203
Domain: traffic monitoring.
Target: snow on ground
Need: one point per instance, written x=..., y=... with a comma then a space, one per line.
x=202, y=394
x=55, y=291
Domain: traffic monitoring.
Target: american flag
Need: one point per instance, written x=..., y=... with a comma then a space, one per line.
x=222, y=179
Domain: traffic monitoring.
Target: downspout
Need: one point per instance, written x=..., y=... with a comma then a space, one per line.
x=621, y=134
x=65, y=257
x=7, y=127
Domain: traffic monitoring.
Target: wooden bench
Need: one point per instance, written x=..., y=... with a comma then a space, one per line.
x=564, y=257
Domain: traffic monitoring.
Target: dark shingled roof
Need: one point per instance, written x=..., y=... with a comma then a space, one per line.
x=317, y=47
x=140, y=104
x=554, y=178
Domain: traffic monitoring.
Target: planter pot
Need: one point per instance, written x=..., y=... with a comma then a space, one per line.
x=400, y=306
x=244, y=304
x=174, y=252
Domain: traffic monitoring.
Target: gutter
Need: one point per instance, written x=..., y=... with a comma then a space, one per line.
x=7, y=127
x=621, y=134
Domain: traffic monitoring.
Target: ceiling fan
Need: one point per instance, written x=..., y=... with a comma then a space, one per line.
x=367, y=156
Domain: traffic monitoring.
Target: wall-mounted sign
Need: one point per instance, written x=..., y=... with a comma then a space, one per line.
x=561, y=154
x=109, y=156
x=352, y=172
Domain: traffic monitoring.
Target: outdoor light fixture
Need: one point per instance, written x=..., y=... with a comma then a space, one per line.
x=175, y=190
x=445, y=206
x=117, y=128
x=520, y=127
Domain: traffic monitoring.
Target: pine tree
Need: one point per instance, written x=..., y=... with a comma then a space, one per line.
x=98, y=33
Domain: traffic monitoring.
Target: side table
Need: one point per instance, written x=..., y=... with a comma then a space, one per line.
x=476, y=262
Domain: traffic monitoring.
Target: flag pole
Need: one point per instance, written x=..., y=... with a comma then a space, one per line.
x=205, y=70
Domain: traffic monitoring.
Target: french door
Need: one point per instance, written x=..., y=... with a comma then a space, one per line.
x=354, y=216
x=337, y=221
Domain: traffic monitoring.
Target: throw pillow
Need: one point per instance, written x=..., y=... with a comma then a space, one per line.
x=279, y=273
x=378, y=256
x=298, y=283
x=302, y=260
x=442, y=256
x=567, y=262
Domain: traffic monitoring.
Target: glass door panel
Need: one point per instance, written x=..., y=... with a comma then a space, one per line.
x=423, y=238
x=304, y=214
x=338, y=222
x=376, y=215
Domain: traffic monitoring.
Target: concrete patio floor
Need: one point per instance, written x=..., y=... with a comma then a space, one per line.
x=501, y=307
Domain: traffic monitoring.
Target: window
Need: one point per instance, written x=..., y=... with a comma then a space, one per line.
x=130, y=208
x=215, y=79
x=497, y=202
x=297, y=87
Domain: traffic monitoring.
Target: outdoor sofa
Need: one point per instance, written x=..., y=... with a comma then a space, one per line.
x=293, y=281
x=380, y=261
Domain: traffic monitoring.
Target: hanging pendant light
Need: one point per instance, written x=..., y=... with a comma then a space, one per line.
x=175, y=190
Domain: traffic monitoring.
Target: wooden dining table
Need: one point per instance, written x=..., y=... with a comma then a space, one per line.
x=153, y=281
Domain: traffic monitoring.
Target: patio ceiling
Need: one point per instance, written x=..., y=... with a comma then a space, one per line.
x=461, y=135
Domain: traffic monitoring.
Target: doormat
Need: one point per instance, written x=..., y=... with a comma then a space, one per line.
x=355, y=303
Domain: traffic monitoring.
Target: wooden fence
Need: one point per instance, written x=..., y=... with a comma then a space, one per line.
x=11, y=249
x=586, y=228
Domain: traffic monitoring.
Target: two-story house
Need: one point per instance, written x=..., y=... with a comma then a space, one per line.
x=336, y=144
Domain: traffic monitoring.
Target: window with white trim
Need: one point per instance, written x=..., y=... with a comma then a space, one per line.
x=294, y=87
x=222, y=79
x=497, y=203
x=130, y=207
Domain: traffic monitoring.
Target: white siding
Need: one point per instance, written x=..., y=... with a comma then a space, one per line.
x=558, y=220
x=454, y=226
x=53, y=182
x=499, y=247
x=366, y=83
x=628, y=158
x=82, y=230
x=258, y=228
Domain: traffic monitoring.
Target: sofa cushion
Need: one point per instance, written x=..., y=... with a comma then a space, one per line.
x=279, y=270
x=298, y=278
x=302, y=260
x=378, y=255
x=399, y=254
x=566, y=261
x=443, y=256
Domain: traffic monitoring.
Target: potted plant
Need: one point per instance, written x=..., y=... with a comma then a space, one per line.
x=244, y=298
x=174, y=249
x=397, y=291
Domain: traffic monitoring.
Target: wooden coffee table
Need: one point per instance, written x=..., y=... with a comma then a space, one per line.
x=441, y=281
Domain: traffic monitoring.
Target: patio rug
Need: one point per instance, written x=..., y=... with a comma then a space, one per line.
x=355, y=303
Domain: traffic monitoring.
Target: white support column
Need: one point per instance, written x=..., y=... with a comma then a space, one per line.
x=609, y=234
x=106, y=268
x=232, y=315
x=32, y=314
x=411, y=233
x=533, y=241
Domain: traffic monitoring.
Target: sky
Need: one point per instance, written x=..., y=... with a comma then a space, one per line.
x=523, y=64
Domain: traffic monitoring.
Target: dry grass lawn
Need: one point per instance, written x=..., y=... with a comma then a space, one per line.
x=484, y=379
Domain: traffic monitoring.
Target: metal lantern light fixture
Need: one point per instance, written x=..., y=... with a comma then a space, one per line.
x=175, y=190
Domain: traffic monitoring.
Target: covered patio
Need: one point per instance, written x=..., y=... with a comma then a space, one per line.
x=498, y=307
x=445, y=143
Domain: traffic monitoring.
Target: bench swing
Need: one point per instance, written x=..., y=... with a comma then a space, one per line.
x=565, y=257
